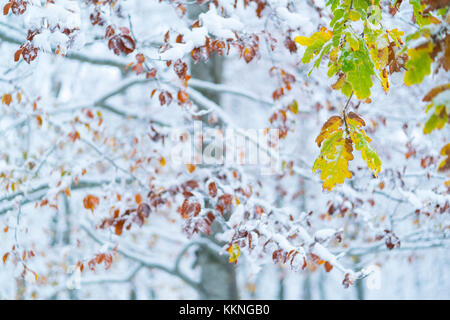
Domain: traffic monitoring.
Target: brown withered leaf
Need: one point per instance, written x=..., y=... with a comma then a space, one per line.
x=165, y=97
x=394, y=9
x=328, y=127
x=431, y=5
x=121, y=43
x=212, y=189
x=278, y=93
x=180, y=68
x=182, y=96
x=196, y=55
x=435, y=91
x=7, y=99
x=249, y=54
x=347, y=281
x=109, y=32
x=290, y=44
x=6, y=8
x=138, y=68
x=144, y=209
x=91, y=202
x=118, y=226
x=357, y=118
x=5, y=257
x=151, y=73
x=395, y=63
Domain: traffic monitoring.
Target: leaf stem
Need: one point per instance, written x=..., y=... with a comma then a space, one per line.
x=344, y=112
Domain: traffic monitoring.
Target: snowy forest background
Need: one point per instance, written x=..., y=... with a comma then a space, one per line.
x=96, y=95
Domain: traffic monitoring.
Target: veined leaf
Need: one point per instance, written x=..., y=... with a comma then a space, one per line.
x=314, y=43
x=362, y=4
x=418, y=8
x=445, y=164
x=437, y=120
x=440, y=101
x=362, y=142
x=359, y=69
x=435, y=91
x=335, y=153
x=354, y=15
x=338, y=14
x=333, y=160
x=419, y=64
x=328, y=128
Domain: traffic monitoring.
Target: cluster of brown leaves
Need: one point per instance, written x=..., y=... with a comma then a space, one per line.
x=190, y=209
x=286, y=78
x=139, y=67
x=279, y=119
x=220, y=204
x=91, y=202
x=181, y=70
x=395, y=63
x=17, y=7
x=316, y=259
x=390, y=239
x=428, y=161
x=393, y=9
x=96, y=16
x=290, y=44
x=210, y=47
x=105, y=258
x=431, y=5
x=248, y=47
x=438, y=209
x=283, y=256
x=441, y=49
x=27, y=50
x=121, y=41
x=26, y=254
x=346, y=206
x=128, y=218
x=30, y=52
x=244, y=238
x=260, y=5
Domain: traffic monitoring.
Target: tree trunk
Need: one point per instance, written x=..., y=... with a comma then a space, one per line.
x=218, y=277
x=307, y=292
x=359, y=285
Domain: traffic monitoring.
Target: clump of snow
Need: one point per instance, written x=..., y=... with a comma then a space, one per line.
x=324, y=234
x=295, y=20
x=219, y=26
x=192, y=39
